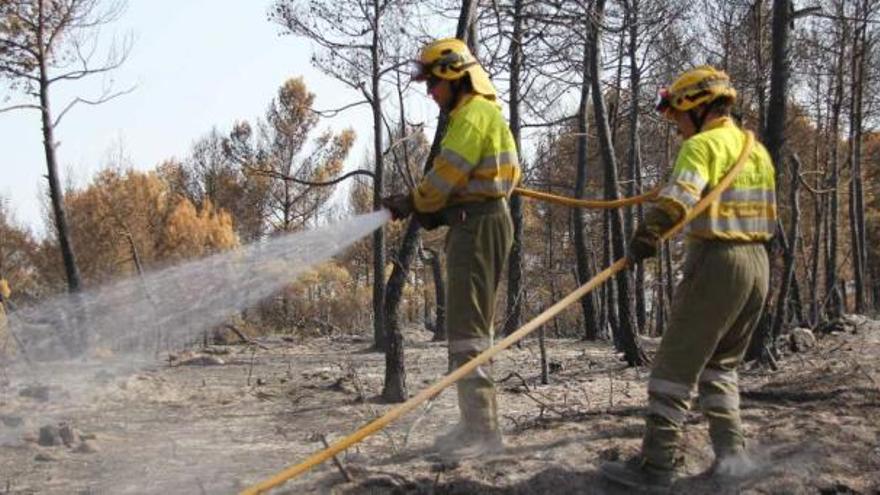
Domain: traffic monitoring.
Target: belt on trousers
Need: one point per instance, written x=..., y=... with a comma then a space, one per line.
x=722, y=243
x=457, y=214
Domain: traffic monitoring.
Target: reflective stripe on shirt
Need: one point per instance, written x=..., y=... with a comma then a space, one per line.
x=478, y=158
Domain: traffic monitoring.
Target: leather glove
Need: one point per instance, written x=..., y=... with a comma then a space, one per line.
x=640, y=248
x=400, y=205
x=646, y=239
x=428, y=221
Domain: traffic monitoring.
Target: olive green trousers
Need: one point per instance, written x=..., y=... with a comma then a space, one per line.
x=477, y=245
x=715, y=309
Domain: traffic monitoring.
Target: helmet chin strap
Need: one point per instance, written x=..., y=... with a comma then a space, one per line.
x=455, y=93
x=698, y=118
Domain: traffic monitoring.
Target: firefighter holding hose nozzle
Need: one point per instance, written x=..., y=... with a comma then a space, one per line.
x=467, y=189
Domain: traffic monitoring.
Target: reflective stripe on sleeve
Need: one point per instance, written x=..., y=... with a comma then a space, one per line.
x=677, y=192
x=439, y=184
x=690, y=177
x=456, y=160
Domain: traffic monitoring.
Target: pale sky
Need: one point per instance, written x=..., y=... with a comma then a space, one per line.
x=196, y=64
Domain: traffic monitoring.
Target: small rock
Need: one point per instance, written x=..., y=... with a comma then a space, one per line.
x=38, y=392
x=69, y=435
x=86, y=447
x=611, y=454
x=45, y=457
x=838, y=489
x=832, y=327
x=50, y=436
x=11, y=421
x=802, y=339
x=854, y=322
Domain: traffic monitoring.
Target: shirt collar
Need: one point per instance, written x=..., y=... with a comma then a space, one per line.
x=717, y=123
x=462, y=101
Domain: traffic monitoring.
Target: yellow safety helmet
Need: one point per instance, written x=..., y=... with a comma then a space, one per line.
x=4, y=288
x=450, y=59
x=700, y=85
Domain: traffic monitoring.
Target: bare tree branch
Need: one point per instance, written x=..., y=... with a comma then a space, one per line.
x=278, y=175
x=333, y=112
x=97, y=101
x=19, y=107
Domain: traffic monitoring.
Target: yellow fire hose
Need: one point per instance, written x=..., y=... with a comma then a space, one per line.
x=399, y=410
x=587, y=203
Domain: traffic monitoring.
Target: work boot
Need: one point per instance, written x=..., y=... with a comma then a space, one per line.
x=454, y=436
x=639, y=474
x=464, y=443
x=732, y=467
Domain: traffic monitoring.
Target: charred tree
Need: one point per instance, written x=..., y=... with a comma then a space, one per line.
x=375, y=100
x=583, y=270
x=774, y=138
x=834, y=297
x=434, y=261
x=513, y=319
x=394, y=389
x=856, y=194
x=789, y=255
x=626, y=335
x=634, y=152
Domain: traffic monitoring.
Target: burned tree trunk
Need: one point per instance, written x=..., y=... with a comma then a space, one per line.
x=583, y=271
x=834, y=297
x=856, y=194
x=379, y=335
x=395, y=373
x=774, y=138
x=626, y=334
x=635, y=175
x=394, y=389
x=56, y=194
x=440, y=294
x=790, y=254
x=514, y=270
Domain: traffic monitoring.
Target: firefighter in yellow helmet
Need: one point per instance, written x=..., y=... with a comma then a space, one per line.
x=718, y=303
x=467, y=189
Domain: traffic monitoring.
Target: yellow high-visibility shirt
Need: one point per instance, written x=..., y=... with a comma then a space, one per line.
x=746, y=211
x=477, y=160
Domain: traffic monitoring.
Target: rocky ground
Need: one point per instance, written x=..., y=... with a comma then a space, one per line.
x=225, y=417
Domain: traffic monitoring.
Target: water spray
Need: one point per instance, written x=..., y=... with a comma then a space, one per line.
x=127, y=323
